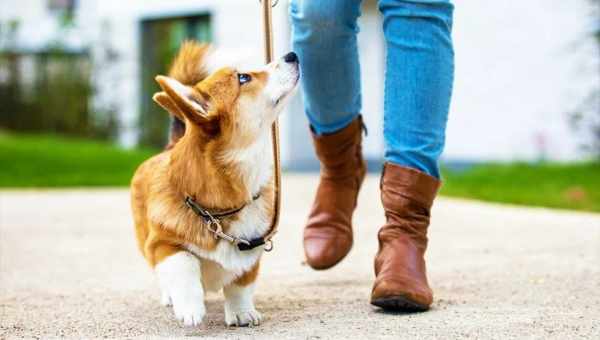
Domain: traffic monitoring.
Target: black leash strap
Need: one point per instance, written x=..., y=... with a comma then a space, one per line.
x=257, y=242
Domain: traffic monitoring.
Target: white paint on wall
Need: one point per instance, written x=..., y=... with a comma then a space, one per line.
x=521, y=66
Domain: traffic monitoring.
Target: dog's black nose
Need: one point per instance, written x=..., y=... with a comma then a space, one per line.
x=290, y=58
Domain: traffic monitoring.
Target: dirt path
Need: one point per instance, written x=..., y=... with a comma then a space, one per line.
x=69, y=267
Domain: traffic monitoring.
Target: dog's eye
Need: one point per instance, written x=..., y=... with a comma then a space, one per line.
x=244, y=78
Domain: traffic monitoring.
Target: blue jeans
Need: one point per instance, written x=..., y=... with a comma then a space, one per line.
x=418, y=79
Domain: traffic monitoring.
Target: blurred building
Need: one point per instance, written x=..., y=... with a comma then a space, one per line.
x=521, y=67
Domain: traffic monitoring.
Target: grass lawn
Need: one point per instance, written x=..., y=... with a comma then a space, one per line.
x=51, y=161
x=567, y=186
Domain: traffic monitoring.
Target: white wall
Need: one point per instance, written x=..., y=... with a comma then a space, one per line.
x=520, y=67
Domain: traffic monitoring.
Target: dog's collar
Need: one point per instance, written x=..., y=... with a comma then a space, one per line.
x=213, y=220
x=207, y=215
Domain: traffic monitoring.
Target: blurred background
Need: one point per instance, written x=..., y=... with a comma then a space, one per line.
x=76, y=81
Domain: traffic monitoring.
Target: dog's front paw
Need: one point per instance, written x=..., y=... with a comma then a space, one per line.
x=190, y=311
x=179, y=279
x=242, y=318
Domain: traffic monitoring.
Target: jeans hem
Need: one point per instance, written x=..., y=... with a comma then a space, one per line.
x=321, y=129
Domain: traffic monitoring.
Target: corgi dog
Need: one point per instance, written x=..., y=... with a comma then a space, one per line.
x=203, y=207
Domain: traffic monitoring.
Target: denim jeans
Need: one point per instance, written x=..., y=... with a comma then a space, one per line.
x=418, y=79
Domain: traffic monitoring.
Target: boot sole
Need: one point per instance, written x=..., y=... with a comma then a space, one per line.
x=399, y=303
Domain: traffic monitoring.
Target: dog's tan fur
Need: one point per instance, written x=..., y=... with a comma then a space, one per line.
x=193, y=166
x=202, y=164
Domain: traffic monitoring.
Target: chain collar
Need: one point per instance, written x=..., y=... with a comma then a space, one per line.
x=213, y=221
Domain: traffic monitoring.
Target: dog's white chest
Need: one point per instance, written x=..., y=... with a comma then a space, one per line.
x=226, y=262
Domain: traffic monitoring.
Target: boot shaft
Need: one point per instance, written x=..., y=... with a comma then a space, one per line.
x=407, y=196
x=400, y=269
x=340, y=153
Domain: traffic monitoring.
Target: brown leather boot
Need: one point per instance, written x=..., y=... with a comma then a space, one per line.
x=328, y=232
x=401, y=279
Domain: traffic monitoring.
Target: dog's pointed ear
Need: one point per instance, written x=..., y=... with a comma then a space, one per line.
x=190, y=103
x=163, y=99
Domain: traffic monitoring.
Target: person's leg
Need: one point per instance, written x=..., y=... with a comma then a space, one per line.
x=324, y=37
x=417, y=95
x=418, y=84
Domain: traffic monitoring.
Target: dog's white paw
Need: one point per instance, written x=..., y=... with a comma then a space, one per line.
x=242, y=318
x=191, y=311
x=239, y=307
x=179, y=280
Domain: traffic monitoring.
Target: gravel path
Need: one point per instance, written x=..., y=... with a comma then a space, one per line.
x=69, y=267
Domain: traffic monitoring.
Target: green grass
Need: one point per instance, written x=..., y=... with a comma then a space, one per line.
x=30, y=161
x=50, y=161
x=567, y=186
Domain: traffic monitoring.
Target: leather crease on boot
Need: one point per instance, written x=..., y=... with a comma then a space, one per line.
x=401, y=274
x=328, y=232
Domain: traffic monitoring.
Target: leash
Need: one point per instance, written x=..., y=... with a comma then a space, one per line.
x=268, y=38
x=213, y=220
